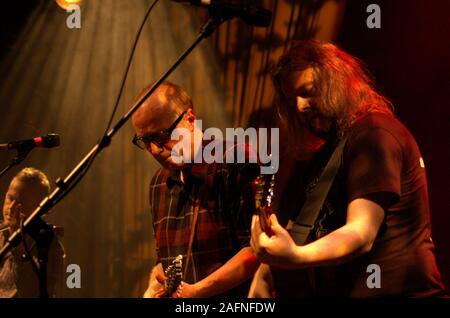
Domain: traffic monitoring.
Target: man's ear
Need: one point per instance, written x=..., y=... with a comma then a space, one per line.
x=191, y=117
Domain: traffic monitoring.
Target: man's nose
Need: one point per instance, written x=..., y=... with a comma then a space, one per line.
x=154, y=149
x=303, y=104
x=13, y=204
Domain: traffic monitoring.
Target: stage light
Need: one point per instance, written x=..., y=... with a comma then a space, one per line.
x=65, y=3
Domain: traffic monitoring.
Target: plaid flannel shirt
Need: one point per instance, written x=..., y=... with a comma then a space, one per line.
x=225, y=195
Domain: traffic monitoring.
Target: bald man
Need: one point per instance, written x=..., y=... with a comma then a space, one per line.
x=221, y=261
x=17, y=277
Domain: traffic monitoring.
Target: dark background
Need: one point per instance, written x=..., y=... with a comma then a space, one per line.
x=409, y=57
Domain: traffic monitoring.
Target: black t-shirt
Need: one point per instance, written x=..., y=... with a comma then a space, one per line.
x=381, y=163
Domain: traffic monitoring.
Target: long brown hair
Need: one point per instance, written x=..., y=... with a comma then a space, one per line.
x=345, y=91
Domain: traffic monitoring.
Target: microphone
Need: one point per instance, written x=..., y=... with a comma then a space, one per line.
x=251, y=14
x=47, y=141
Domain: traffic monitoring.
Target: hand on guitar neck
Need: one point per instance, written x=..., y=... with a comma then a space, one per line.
x=264, y=192
x=165, y=284
x=174, y=277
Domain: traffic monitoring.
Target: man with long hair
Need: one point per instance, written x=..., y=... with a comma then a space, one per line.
x=375, y=219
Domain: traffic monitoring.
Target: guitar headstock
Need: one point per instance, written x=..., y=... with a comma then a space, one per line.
x=174, y=276
x=264, y=186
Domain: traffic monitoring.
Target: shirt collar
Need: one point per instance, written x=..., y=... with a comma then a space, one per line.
x=198, y=172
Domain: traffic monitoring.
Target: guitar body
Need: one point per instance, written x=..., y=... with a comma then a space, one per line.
x=291, y=283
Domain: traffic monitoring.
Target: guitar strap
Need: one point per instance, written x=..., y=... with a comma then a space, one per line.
x=287, y=282
x=315, y=198
x=191, y=236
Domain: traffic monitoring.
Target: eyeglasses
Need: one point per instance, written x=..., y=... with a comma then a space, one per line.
x=159, y=138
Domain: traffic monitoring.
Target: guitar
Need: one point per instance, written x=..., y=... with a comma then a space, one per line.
x=174, y=276
x=264, y=185
x=269, y=282
x=264, y=193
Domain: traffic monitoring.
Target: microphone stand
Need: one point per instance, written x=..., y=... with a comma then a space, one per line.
x=21, y=155
x=63, y=185
x=42, y=234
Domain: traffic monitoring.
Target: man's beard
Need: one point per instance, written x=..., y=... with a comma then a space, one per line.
x=321, y=126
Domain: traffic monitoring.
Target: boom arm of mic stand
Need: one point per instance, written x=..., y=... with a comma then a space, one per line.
x=63, y=185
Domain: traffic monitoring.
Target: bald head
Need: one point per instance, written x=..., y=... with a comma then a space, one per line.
x=169, y=107
x=159, y=110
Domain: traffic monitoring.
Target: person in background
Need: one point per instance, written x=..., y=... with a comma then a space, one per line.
x=17, y=276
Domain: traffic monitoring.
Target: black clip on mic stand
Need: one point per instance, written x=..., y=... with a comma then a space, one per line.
x=22, y=153
x=63, y=185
